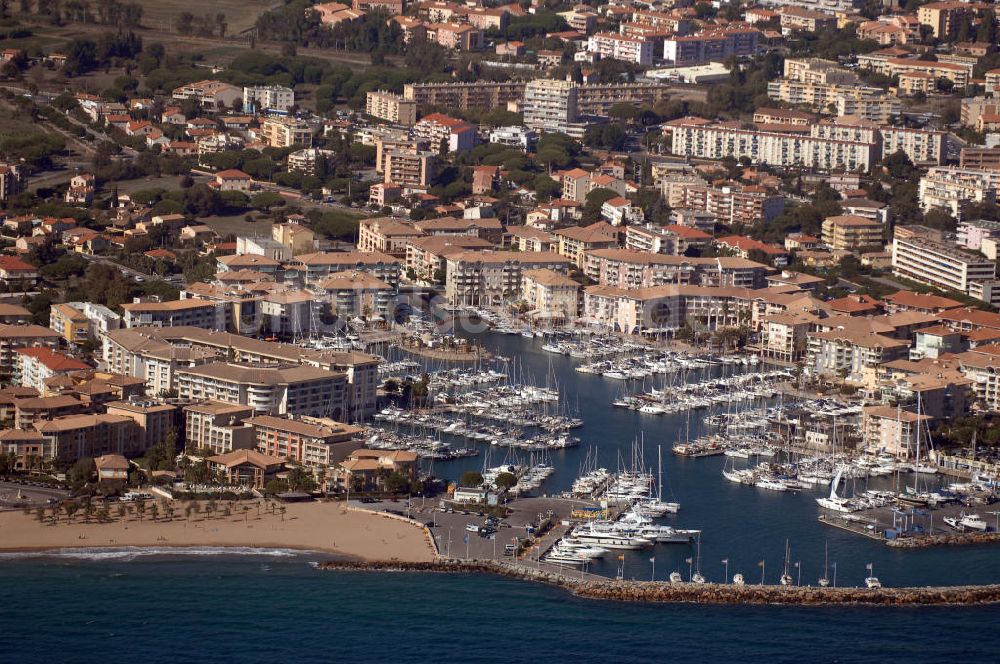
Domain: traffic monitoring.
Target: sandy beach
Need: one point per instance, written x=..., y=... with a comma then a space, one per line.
x=314, y=526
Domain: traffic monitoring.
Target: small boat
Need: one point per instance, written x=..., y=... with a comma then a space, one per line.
x=871, y=581
x=739, y=580
x=697, y=578
x=675, y=577
x=965, y=522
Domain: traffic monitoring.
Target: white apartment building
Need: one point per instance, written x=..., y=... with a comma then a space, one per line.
x=268, y=389
x=515, y=137
x=936, y=264
x=652, y=239
x=391, y=107
x=493, y=278
x=174, y=313
x=268, y=98
x=550, y=294
x=550, y=104
x=922, y=146
x=774, y=148
x=218, y=426
x=950, y=188
x=619, y=47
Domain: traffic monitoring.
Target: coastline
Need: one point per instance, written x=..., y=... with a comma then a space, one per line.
x=325, y=528
x=662, y=592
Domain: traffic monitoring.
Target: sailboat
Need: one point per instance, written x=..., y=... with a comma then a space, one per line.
x=824, y=580
x=697, y=577
x=786, y=578
x=835, y=502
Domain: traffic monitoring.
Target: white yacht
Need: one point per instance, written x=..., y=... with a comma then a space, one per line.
x=738, y=580
x=770, y=484
x=872, y=582
x=965, y=522
x=675, y=577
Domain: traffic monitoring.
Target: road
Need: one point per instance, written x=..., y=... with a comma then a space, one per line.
x=127, y=271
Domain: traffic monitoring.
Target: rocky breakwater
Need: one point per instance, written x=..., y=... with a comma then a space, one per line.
x=949, y=539
x=708, y=593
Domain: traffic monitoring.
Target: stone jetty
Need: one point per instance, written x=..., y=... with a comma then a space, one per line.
x=947, y=539
x=707, y=593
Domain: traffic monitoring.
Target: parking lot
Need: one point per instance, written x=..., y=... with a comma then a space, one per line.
x=21, y=494
x=452, y=530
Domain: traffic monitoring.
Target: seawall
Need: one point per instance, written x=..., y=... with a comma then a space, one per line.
x=708, y=593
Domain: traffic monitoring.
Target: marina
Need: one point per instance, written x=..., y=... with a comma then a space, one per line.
x=745, y=428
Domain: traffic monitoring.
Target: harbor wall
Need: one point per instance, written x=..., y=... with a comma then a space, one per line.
x=708, y=593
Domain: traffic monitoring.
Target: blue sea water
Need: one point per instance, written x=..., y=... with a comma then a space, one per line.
x=281, y=609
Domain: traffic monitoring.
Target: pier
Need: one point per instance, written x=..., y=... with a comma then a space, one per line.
x=601, y=588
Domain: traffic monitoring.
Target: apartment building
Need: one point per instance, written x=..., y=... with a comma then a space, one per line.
x=391, y=107
x=156, y=354
x=550, y=295
x=210, y=95
x=937, y=264
x=951, y=188
x=922, y=146
x=550, y=104
x=386, y=235
x=317, y=443
x=487, y=277
x=355, y=294
x=173, y=313
x=613, y=46
x=78, y=436
x=270, y=389
x=710, y=46
x=624, y=268
x=575, y=241
x=154, y=421
x=830, y=6
x=35, y=365
x=440, y=130
x=14, y=337
x=734, y=203
x=477, y=95
x=881, y=63
x=980, y=158
x=312, y=268
x=415, y=169
x=783, y=336
x=818, y=70
x=851, y=233
x=11, y=181
x=220, y=427
x=852, y=353
x=943, y=18
x=284, y=132
x=69, y=323
x=268, y=98
x=807, y=20
x=653, y=239
x=425, y=256
x=775, y=148
x=598, y=98
x=889, y=430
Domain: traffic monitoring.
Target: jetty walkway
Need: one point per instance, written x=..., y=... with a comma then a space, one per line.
x=602, y=588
